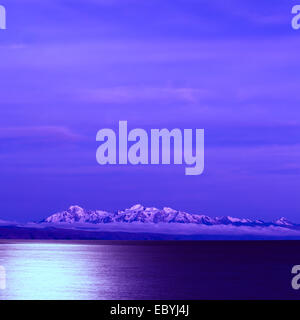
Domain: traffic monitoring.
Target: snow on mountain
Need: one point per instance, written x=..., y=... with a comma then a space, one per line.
x=77, y=214
x=283, y=222
x=141, y=214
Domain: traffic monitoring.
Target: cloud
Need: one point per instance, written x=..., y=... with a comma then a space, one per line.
x=256, y=12
x=39, y=134
x=184, y=229
x=127, y=94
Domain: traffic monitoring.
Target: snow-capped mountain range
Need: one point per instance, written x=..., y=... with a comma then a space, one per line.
x=141, y=214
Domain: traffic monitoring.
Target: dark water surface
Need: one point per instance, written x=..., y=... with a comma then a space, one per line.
x=149, y=270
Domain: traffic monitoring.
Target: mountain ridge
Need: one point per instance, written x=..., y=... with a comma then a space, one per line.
x=141, y=214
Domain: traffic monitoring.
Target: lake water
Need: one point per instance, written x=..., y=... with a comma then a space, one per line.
x=149, y=270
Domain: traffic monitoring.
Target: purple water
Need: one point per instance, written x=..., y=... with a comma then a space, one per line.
x=149, y=270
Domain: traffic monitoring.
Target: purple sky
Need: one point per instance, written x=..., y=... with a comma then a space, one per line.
x=71, y=67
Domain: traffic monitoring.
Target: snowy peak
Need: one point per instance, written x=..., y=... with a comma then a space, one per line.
x=77, y=214
x=283, y=222
x=169, y=210
x=137, y=207
x=140, y=214
x=232, y=220
x=76, y=210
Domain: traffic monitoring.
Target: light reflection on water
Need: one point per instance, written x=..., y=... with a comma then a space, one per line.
x=54, y=271
x=69, y=271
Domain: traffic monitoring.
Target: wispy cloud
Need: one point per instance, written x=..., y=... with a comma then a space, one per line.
x=129, y=94
x=39, y=134
x=185, y=229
